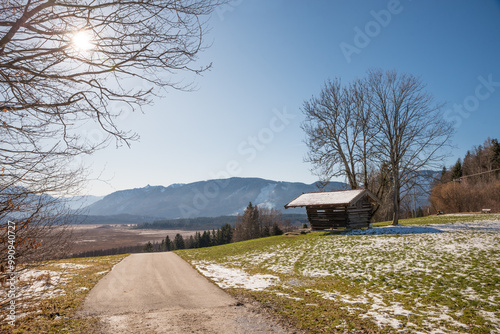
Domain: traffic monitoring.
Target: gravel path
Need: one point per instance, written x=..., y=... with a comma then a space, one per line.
x=161, y=293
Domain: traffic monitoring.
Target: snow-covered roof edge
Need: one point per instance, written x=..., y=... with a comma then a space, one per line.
x=341, y=197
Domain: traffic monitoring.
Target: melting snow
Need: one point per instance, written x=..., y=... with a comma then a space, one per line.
x=480, y=226
x=72, y=265
x=264, y=196
x=235, y=278
x=425, y=253
x=102, y=272
x=35, y=284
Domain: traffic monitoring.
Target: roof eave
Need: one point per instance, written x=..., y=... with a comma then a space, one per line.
x=313, y=205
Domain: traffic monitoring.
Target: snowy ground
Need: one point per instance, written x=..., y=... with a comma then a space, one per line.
x=432, y=279
x=47, y=281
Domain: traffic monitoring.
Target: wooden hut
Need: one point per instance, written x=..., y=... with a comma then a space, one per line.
x=334, y=209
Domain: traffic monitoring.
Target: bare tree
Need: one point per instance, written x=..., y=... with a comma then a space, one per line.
x=272, y=219
x=379, y=132
x=412, y=130
x=338, y=132
x=340, y=137
x=258, y=222
x=64, y=66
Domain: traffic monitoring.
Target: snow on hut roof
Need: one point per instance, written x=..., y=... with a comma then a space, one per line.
x=344, y=197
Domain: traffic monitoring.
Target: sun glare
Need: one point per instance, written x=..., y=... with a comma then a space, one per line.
x=82, y=41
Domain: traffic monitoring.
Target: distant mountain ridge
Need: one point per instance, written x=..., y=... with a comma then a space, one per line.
x=78, y=202
x=212, y=198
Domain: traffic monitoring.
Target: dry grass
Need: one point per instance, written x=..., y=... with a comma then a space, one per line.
x=48, y=296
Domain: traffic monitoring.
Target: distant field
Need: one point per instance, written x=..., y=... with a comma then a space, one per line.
x=96, y=237
x=434, y=275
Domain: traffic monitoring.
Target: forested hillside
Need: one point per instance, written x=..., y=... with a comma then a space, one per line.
x=473, y=183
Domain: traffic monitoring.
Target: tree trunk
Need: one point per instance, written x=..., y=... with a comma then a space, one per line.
x=396, y=200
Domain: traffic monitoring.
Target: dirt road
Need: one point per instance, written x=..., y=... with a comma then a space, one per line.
x=161, y=293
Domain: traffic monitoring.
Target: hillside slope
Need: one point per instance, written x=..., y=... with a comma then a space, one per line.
x=438, y=277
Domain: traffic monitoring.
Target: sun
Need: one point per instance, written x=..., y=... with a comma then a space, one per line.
x=82, y=41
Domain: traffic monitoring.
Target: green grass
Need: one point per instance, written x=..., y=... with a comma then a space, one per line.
x=56, y=314
x=330, y=283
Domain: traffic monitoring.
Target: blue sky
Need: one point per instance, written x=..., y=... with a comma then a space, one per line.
x=269, y=56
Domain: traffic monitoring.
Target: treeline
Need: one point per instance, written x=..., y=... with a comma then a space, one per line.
x=199, y=223
x=221, y=236
x=473, y=183
x=109, y=251
x=254, y=223
x=209, y=223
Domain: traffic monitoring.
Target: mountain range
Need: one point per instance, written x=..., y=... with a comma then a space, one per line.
x=212, y=198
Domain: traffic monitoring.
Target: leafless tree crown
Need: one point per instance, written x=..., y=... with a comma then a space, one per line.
x=378, y=131
x=48, y=85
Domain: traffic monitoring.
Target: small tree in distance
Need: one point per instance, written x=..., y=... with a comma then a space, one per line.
x=456, y=171
x=149, y=247
x=168, y=244
x=179, y=242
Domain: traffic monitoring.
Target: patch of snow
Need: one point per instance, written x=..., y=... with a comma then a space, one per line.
x=235, y=278
x=324, y=294
x=490, y=316
x=442, y=316
x=485, y=226
x=382, y=319
x=102, y=272
x=66, y=265
x=264, y=196
x=286, y=295
x=315, y=272
x=34, y=284
x=174, y=186
x=400, y=229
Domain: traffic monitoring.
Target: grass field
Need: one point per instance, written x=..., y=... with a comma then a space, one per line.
x=49, y=295
x=432, y=275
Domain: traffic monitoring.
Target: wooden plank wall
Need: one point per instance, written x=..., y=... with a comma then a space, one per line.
x=321, y=219
x=327, y=217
